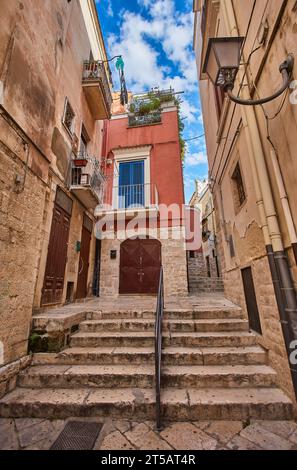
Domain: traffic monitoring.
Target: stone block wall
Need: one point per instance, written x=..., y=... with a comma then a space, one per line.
x=272, y=336
x=21, y=214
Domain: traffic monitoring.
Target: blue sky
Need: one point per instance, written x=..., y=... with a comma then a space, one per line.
x=155, y=39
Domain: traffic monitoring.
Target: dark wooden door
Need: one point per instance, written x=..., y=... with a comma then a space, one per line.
x=82, y=279
x=56, y=258
x=140, y=263
x=251, y=300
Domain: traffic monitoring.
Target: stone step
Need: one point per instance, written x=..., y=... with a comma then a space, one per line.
x=170, y=356
x=198, y=286
x=184, y=314
x=142, y=376
x=143, y=339
x=215, y=339
x=91, y=326
x=139, y=404
x=123, y=338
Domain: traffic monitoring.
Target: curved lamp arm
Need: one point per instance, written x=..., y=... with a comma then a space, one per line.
x=285, y=69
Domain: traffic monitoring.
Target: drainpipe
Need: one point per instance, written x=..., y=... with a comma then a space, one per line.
x=285, y=202
x=280, y=270
x=263, y=219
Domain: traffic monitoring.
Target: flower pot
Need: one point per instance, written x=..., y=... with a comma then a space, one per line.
x=80, y=162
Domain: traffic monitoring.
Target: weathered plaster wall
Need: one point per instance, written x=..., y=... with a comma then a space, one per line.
x=21, y=215
x=42, y=49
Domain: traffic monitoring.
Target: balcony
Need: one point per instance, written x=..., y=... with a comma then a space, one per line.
x=130, y=200
x=97, y=89
x=87, y=181
x=145, y=120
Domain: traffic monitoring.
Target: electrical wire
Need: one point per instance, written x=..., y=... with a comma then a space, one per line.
x=195, y=138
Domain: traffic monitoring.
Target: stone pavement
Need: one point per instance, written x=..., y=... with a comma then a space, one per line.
x=39, y=434
x=122, y=302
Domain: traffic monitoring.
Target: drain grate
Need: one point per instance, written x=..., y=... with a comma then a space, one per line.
x=77, y=435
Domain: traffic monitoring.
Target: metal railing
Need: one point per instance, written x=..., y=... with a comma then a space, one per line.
x=95, y=71
x=145, y=120
x=136, y=196
x=88, y=176
x=158, y=349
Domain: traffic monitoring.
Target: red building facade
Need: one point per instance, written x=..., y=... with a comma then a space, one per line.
x=141, y=223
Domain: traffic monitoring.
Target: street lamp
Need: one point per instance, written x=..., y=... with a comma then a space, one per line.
x=222, y=63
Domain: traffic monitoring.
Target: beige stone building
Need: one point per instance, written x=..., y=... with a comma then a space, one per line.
x=252, y=169
x=202, y=198
x=53, y=100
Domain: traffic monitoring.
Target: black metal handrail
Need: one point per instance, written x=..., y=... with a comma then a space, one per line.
x=158, y=348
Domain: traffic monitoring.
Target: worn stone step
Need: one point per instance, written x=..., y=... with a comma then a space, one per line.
x=218, y=376
x=139, y=404
x=204, y=314
x=80, y=376
x=207, y=325
x=205, y=282
x=205, y=289
x=121, y=324
x=143, y=339
x=213, y=339
x=214, y=356
x=142, y=376
x=170, y=356
x=91, y=326
x=179, y=314
x=123, y=338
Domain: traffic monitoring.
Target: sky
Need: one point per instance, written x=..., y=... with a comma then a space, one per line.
x=155, y=38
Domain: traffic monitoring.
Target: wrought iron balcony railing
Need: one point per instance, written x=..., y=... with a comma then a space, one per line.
x=130, y=197
x=95, y=75
x=145, y=120
x=87, y=180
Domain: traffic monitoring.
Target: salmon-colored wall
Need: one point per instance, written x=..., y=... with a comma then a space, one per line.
x=165, y=160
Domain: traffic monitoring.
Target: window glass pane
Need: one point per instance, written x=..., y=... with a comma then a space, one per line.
x=131, y=184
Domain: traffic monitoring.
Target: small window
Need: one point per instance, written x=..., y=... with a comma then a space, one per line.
x=192, y=254
x=68, y=118
x=239, y=191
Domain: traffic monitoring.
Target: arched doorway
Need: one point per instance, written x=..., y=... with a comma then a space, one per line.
x=140, y=263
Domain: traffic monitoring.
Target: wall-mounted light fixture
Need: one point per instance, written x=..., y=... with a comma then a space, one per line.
x=222, y=63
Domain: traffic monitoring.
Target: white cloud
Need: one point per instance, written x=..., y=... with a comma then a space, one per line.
x=109, y=8
x=196, y=159
x=143, y=68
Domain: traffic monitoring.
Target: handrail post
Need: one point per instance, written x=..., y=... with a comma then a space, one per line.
x=158, y=349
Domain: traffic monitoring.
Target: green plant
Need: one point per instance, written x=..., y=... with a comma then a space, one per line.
x=152, y=102
x=34, y=342
x=132, y=108
x=181, y=127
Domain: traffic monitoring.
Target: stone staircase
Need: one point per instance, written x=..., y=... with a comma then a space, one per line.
x=206, y=284
x=199, y=282
x=212, y=369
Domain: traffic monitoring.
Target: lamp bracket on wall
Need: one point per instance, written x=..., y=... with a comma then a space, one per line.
x=286, y=69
